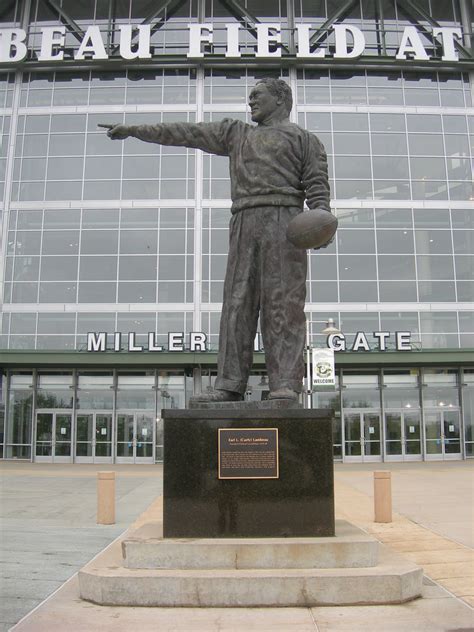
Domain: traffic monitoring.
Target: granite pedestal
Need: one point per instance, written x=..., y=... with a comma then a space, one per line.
x=197, y=504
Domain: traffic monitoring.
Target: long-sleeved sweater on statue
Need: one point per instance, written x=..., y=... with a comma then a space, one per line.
x=270, y=165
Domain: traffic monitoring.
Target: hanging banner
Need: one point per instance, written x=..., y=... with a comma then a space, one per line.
x=323, y=368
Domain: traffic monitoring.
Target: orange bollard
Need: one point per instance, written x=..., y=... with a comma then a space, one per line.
x=105, y=497
x=383, y=496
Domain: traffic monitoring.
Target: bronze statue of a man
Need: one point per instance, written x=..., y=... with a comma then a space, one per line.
x=274, y=167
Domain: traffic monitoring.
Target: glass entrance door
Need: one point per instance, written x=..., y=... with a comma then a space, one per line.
x=362, y=436
x=94, y=437
x=402, y=435
x=442, y=434
x=135, y=437
x=53, y=437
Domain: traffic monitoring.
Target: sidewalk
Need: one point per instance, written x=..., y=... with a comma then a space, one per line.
x=433, y=527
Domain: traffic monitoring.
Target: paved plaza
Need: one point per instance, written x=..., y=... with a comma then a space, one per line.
x=49, y=531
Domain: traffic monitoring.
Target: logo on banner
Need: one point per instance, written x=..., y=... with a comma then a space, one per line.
x=324, y=373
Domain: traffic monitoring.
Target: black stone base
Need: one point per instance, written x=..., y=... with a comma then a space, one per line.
x=197, y=504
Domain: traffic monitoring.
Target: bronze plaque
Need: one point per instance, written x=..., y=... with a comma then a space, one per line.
x=248, y=453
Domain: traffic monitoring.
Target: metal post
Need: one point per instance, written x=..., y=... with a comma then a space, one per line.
x=383, y=496
x=105, y=497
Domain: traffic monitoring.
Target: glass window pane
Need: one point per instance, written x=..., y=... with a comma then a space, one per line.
x=394, y=218
x=432, y=218
x=358, y=291
x=350, y=167
x=107, y=168
x=68, y=123
x=137, y=292
x=424, y=123
x=426, y=145
x=391, y=144
x=64, y=218
x=463, y=242
x=398, y=291
x=357, y=267
x=356, y=241
x=99, y=242
x=60, y=242
x=171, y=268
x=395, y=241
x=387, y=122
x=433, y=242
x=343, y=121
x=98, y=268
x=27, y=242
x=456, y=145
x=26, y=268
x=137, y=267
x=138, y=241
x=464, y=267
x=455, y=124
x=391, y=167
x=172, y=241
x=100, y=218
x=351, y=143
x=59, y=268
x=66, y=145
x=97, y=292
x=428, y=168
x=395, y=267
x=440, y=291
x=435, y=267
x=56, y=323
x=55, y=292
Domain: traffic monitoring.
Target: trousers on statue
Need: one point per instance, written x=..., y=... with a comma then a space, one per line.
x=266, y=277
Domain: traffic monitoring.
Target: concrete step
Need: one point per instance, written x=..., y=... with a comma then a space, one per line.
x=350, y=548
x=393, y=580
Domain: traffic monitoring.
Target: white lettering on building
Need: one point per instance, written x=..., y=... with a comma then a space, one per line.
x=402, y=341
x=142, y=49
x=448, y=34
x=342, y=45
x=12, y=45
x=199, y=34
x=196, y=341
x=268, y=35
x=52, y=43
x=92, y=45
x=135, y=42
x=102, y=341
x=411, y=45
x=96, y=342
x=176, y=341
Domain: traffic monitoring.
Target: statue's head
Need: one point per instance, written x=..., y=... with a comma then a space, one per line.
x=268, y=97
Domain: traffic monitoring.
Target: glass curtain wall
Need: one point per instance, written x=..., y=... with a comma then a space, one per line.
x=89, y=416
x=115, y=416
x=132, y=237
x=120, y=226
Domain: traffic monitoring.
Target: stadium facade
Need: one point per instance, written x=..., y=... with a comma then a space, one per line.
x=113, y=254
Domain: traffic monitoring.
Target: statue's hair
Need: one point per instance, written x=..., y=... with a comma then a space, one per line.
x=279, y=88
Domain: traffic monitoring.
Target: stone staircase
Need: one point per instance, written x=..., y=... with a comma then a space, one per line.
x=350, y=568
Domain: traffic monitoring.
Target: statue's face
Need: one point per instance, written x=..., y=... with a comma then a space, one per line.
x=262, y=103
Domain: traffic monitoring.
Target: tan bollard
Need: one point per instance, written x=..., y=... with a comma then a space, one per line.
x=105, y=497
x=383, y=496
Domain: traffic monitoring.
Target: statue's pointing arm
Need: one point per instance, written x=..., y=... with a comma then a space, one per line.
x=315, y=174
x=211, y=137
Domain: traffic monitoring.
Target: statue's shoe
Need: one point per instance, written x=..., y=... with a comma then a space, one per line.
x=217, y=395
x=283, y=393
